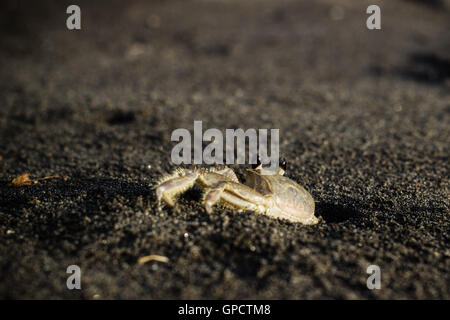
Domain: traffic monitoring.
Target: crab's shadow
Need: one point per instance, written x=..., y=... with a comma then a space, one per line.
x=332, y=213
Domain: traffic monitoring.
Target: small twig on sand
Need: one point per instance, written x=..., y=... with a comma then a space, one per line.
x=63, y=176
x=153, y=257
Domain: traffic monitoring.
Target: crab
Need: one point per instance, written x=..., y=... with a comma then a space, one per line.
x=265, y=192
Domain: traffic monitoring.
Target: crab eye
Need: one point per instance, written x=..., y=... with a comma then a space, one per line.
x=257, y=164
x=283, y=164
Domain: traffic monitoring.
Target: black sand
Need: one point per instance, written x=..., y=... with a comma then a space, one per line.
x=364, y=124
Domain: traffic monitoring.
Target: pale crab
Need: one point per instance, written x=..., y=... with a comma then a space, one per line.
x=265, y=192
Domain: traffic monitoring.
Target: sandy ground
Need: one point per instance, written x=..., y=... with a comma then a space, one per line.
x=364, y=124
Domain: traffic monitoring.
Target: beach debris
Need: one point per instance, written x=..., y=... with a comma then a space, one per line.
x=24, y=180
x=153, y=257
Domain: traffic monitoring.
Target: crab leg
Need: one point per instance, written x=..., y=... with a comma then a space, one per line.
x=229, y=173
x=212, y=196
x=181, y=180
x=236, y=195
x=168, y=189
